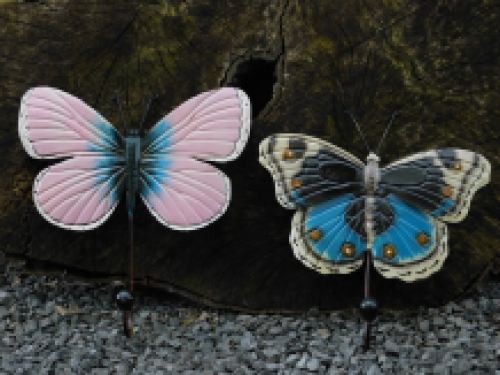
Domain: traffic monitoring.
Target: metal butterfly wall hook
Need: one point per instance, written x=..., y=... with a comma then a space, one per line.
x=165, y=166
x=349, y=213
x=369, y=305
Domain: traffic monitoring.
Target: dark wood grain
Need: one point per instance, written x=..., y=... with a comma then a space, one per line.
x=435, y=61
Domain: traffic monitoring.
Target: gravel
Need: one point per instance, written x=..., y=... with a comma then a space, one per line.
x=50, y=325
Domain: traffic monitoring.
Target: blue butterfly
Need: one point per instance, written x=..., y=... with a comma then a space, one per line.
x=349, y=213
x=344, y=207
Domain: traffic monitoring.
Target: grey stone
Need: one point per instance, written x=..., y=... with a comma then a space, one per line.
x=391, y=347
x=248, y=342
x=5, y=298
x=302, y=363
x=38, y=343
x=424, y=325
x=374, y=370
x=313, y=364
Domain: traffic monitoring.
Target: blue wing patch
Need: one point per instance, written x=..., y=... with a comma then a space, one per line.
x=414, y=247
x=409, y=223
x=329, y=218
x=324, y=240
x=158, y=139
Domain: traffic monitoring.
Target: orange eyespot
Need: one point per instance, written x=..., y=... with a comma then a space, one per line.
x=288, y=154
x=348, y=250
x=389, y=252
x=422, y=239
x=316, y=235
x=296, y=184
x=447, y=191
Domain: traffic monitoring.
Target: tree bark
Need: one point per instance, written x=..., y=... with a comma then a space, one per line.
x=303, y=63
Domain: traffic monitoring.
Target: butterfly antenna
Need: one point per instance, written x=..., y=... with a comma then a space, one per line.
x=359, y=129
x=117, y=99
x=387, y=130
x=153, y=97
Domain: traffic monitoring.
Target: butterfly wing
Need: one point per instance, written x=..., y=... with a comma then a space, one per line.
x=79, y=193
x=181, y=191
x=424, y=191
x=323, y=183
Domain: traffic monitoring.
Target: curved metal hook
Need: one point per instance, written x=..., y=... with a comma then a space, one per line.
x=366, y=336
x=125, y=302
x=369, y=305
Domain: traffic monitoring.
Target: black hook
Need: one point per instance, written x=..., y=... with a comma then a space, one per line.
x=124, y=298
x=125, y=302
x=369, y=305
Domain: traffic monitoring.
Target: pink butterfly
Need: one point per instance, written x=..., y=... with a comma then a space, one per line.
x=164, y=166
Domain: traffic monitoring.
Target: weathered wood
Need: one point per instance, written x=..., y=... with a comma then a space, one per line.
x=435, y=61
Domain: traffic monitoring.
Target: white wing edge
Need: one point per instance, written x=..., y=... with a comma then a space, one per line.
x=269, y=165
x=23, y=131
x=421, y=270
x=245, y=127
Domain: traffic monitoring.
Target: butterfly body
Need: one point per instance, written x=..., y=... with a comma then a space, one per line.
x=132, y=158
x=344, y=207
x=371, y=180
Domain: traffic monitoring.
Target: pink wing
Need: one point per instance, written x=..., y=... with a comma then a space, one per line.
x=179, y=190
x=79, y=193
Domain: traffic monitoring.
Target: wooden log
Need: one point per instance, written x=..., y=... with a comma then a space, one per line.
x=302, y=65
